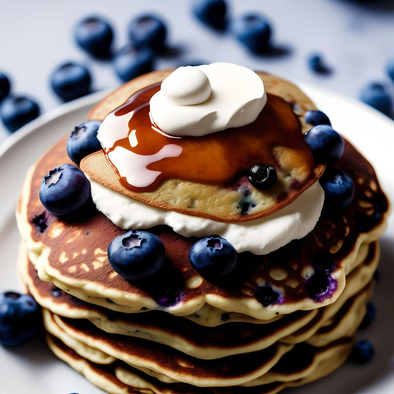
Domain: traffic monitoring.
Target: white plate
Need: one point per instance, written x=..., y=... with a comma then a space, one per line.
x=33, y=369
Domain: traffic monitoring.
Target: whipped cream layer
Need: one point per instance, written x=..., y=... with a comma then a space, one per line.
x=260, y=236
x=195, y=101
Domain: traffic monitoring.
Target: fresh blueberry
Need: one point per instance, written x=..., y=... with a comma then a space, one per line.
x=362, y=352
x=338, y=188
x=94, y=35
x=369, y=315
x=376, y=96
x=253, y=31
x=71, y=80
x=83, y=141
x=130, y=62
x=213, y=257
x=19, y=318
x=267, y=296
x=326, y=144
x=5, y=86
x=262, y=176
x=317, y=64
x=148, y=31
x=315, y=118
x=390, y=70
x=64, y=190
x=16, y=111
x=210, y=12
x=136, y=254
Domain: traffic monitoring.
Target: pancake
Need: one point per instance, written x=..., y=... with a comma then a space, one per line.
x=72, y=253
x=224, y=198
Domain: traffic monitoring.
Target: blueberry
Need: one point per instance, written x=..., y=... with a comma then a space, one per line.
x=5, y=86
x=375, y=95
x=369, y=315
x=317, y=64
x=213, y=256
x=136, y=254
x=83, y=141
x=130, y=62
x=64, y=190
x=148, y=31
x=267, y=296
x=253, y=31
x=390, y=70
x=210, y=12
x=326, y=144
x=19, y=318
x=320, y=286
x=315, y=118
x=94, y=35
x=362, y=352
x=262, y=176
x=71, y=80
x=16, y=111
x=338, y=188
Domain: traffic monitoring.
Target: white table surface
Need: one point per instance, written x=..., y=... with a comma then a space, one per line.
x=355, y=37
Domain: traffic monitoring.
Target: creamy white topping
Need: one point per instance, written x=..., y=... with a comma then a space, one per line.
x=195, y=101
x=260, y=236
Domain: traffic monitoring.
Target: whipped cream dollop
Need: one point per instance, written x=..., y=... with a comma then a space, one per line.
x=195, y=101
x=260, y=236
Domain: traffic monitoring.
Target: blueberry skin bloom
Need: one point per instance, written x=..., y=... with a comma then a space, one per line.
x=83, y=141
x=71, y=80
x=148, y=31
x=19, y=318
x=315, y=118
x=95, y=36
x=130, y=62
x=64, y=190
x=16, y=111
x=326, y=144
x=5, y=86
x=210, y=12
x=253, y=31
x=213, y=257
x=363, y=352
x=136, y=254
x=338, y=188
x=377, y=97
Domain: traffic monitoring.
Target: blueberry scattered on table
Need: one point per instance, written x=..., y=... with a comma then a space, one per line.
x=83, y=141
x=262, y=177
x=315, y=118
x=16, y=111
x=363, y=352
x=213, y=257
x=369, y=315
x=210, y=12
x=19, y=318
x=317, y=64
x=136, y=254
x=390, y=70
x=253, y=31
x=130, y=62
x=5, y=86
x=148, y=31
x=326, y=144
x=64, y=190
x=71, y=80
x=338, y=188
x=375, y=95
x=94, y=35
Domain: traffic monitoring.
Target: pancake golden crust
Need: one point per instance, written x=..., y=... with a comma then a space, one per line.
x=73, y=255
x=235, y=200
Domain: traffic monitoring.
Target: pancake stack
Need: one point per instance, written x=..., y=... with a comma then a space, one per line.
x=279, y=320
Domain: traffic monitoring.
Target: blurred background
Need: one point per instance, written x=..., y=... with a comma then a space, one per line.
x=342, y=45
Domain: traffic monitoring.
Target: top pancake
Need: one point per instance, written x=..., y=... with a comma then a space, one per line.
x=275, y=138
